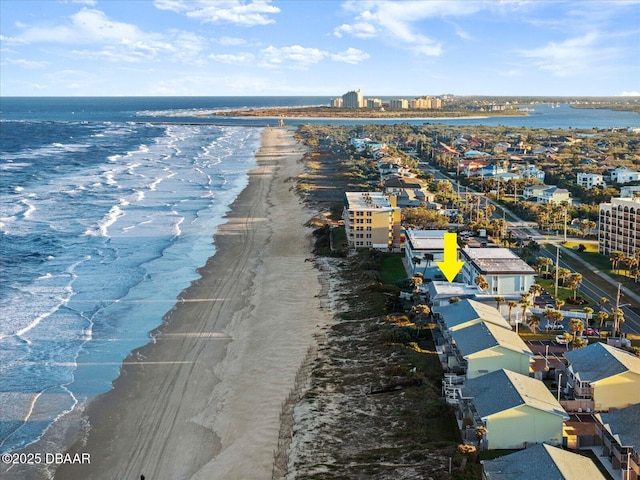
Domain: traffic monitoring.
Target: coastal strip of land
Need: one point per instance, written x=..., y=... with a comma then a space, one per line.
x=204, y=399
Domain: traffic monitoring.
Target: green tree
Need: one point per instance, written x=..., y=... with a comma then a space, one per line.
x=573, y=283
x=534, y=322
x=602, y=317
x=579, y=343
x=575, y=325
x=588, y=311
x=511, y=304
x=499, y=301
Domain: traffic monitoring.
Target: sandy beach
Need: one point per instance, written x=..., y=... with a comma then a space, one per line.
x=204, y=400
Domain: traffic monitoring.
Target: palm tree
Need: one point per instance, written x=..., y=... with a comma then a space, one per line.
x=588, y=311
x=615, y=258
x=511, y=304
x=575, y=279
x=602, y=317
x=545, y=262
x=575, y=326
x=535, y=290
x=525, y=303
x=560, y=304
x=618, y=320
x=579, y=343
x=554, y=315
x=481, y=282
x=534, y=322
x=499, y=301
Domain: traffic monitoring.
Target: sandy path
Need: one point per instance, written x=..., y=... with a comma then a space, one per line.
x=205, y=400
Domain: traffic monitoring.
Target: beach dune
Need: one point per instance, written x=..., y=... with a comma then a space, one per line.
x=203, y=400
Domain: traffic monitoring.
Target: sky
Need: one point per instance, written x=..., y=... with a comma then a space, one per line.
x=324, y=48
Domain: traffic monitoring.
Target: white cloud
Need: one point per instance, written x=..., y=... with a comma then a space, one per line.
x=350, y=55
x=118, y=41
x=27, y=64
x=570, y=57
x=358, y=29
x=239, y=58
x=239, y=12
x=231, y=41
x=294, y=56
x=630, y=94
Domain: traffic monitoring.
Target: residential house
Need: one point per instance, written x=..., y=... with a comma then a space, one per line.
x=541, y=462
x=533, y=191
x=555, y=195
x=590, y=180
x=485, y=347
x=419, y=247
x=466, y=313
x=629, y=191
x=440, y=293
x=624, y=175
x=506, y=273
x=515, y=409
x=532, y=171
x=619, y=435
x=605, y=377
x=409, y=192
x=372, y=220
x=619, y=226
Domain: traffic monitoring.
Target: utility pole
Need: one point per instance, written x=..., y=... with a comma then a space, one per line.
x=557, y=269
x=565, y=224
x=615, y=313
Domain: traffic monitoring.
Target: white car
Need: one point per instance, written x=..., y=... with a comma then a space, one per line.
x=561, y=340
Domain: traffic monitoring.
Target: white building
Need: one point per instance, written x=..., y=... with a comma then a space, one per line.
x=533, y=172
x=400, y=103
x=624, y=175
x=353, y=99
x=629, y=191
x=555, y=195
x=506, y=273
x=590, y=180
x=619, y=226
x=419, y=247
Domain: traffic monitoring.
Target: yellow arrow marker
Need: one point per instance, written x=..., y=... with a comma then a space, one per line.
x=451, y=265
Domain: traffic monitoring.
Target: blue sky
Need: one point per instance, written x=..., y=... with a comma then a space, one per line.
x=385, y=48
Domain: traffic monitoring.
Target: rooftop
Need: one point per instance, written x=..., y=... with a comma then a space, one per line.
x=465, y=311
x=491, y=260
x=426, y=239
x=503, y=390
x=599, y=361
x=484, y=336
x=541, y=462
x=624, y=425
x=367, y=201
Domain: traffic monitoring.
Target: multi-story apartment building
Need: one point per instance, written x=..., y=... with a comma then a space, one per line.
x=399, y=103
x=590, y=180
x=436, y=103
x=374, y=103
x=353, y=99
x=619, y=226
x=372, y=220
x=419, y=103
x=336, y=102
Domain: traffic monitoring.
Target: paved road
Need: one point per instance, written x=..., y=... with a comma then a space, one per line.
x=523, y=229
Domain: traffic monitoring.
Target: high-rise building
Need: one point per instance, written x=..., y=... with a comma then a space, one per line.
x=374, y=103
x=619, y=226
x=336, y=102
x=399, y=103
x=372, y=220
x=353, y=99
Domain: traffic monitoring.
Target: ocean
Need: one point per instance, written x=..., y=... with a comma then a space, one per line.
x=108, y=208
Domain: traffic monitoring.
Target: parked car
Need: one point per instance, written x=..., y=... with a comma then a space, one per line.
x=590, y=332
x=557, y=327
x=561, y=340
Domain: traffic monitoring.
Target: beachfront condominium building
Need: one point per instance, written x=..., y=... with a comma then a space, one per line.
x=353, y=99
x=420, y=103
x=336, y=102
x=399, y=103
x=619, y=226
x=372, y=220
x=374, y=103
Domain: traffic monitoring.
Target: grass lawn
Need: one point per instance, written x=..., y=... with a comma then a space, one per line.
x=591, y=246
x=603, y=264
x=549, y=284
x=392, y=269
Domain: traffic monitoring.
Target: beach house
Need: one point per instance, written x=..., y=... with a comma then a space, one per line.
x=485, y=347
x=515, y=409
x=506, y=273
x=603, y=377
x=466, y=313
x=541, y=462
x=619, y=434
x=590, y=180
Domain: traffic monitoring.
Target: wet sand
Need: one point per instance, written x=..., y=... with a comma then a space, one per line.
x=204, y=400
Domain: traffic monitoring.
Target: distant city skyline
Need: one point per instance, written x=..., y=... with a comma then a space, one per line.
x=323, y=48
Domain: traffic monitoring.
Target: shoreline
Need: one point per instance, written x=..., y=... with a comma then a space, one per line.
x=203, y=400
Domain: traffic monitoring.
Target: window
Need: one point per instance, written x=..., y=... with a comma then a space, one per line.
x=359, y=214
x=368, y=214
x=368, y=220
x=368, y=229
x=368, y=235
